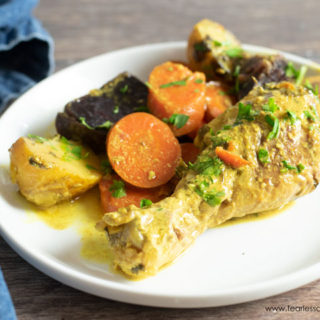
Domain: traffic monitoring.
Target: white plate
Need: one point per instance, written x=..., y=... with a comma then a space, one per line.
x=225, y=266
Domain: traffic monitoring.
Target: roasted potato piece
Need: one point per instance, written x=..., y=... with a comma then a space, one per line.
x=49, y=171
x=211, y=48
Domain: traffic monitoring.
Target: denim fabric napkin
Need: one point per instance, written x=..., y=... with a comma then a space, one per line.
x=26, y=57
x=26, y=49
x=6, y=308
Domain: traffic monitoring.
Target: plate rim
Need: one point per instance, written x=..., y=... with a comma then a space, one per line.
x=119, y=291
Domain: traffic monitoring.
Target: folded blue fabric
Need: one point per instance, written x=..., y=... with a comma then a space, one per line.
x=6, y=308
x=26, y=49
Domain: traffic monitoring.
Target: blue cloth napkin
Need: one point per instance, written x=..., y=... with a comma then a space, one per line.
x=6, y=307
x=26, y=57
x=26, y=49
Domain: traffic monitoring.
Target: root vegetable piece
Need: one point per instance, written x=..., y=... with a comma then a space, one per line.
x=189, y=152
x=211, y=49
x=175, y=89
x=88, y=119
x=143, y=150
x=217, y=100
x=111, y=200
x=49, y=171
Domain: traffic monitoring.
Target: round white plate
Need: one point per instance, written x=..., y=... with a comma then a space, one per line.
x=226, y=265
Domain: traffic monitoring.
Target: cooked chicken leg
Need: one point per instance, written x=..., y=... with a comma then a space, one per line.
x=282, y=121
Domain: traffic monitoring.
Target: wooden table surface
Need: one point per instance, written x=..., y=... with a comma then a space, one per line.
x=85, y=28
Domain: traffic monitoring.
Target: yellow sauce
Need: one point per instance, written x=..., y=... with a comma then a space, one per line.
x=82, y=214
x=256, y=216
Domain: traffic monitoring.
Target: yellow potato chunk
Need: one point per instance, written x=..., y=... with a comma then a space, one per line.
x=208, y=47
x=49, y=171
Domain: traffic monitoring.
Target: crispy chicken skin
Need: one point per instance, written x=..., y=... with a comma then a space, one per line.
x=144, y=240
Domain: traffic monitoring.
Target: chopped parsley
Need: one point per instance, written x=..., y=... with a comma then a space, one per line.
x=292, y=117
x=309, y=86
x=107, y=125
x=37, y=138
x=286, y=166
x=148, y=85
x=177, y=119
x=116, y=110
x=145, y=203
x=142, y=109
x=198, y=81
x=207, y=166
x=263, y=156
x=271, y=106
x=84, y=122
x=106, y=166
x=117, y=189
x=124, y=89
x=275, y=124
x=211, y=197
x=292, y=72
x=222, y=93
x=174, y=83
x=77, y=152
x=90, y=167
x=302, y=73
x=234, y=52
x=309, y=116
x=218, y=141
x=245, y=113
x=217, y=43
x=236, y=74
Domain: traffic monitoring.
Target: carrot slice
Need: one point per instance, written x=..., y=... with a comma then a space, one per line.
x=143, y=150
x=230, y=158
x=112, y=201
x=217, y=100
x=189, y=152
x=175, y=89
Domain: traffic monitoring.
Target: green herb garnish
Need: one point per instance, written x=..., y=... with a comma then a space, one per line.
x=90, y=167
x=300, y=167
x=174, y=83
x=37, y=138
x=263, y=156
x=309, y=86
x=217, y=43
x=84, y=122
x=275, y=124
x=309, y=116
x=106, y=166
x=77, y=152
x=124, y=89
x=148, y=84
x=292, y=117
x=234, y=52
x=145, y=203
x=286, y=166
x=211, y=197
x=107, y=125
x=177, y=119
x=271, y=106
x=207, y=166
x=245, y=113
x=117, y=189
x=142, y=109
x=116, y=109
x=302, y=73
x=198, y=81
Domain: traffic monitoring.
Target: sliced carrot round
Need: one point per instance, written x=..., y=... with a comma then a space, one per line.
x=217, y=100
x=175, y=89
x=189, y=152
x=143, y=150
x=111, y=201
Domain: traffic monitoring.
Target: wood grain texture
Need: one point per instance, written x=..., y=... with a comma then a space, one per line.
x=84, y=28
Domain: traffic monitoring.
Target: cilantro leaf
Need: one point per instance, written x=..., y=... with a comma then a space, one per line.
x=177, y=119
x=118, y=189
x=37, y=138
x=275, y=124
x=174, y=83
x=245, y=113
x=145, y=203
x=271, y=106
x=263, y=156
